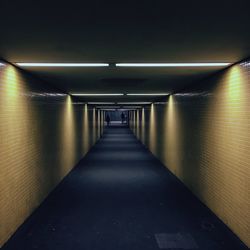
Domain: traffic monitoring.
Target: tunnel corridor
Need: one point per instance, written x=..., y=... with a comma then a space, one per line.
x=121, y=197
x=124, y=125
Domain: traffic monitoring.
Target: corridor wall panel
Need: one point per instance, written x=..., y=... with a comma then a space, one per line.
x=43, y=134
x=202, y=135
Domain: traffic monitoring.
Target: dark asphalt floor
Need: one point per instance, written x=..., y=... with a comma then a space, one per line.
x=120, y=197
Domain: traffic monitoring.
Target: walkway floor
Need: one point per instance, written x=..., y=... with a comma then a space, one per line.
x=120, y=197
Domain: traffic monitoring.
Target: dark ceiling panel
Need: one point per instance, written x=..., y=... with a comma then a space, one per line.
x=124, y=31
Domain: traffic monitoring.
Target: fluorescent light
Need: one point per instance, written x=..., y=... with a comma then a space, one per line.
x=105, y=109
x=132, y=107
x=171, y=64
x=96, y=94
x=149, y=94
x=1, y=64
x=135, y=103
x=100, y=103
x=108, y=107
x=62, y=64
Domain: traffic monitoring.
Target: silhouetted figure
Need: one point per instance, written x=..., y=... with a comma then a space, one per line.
x=123, y=117
x=108, y=119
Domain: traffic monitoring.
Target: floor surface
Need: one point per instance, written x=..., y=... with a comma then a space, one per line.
x=120, y=197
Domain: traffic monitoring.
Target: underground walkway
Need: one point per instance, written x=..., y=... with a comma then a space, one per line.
x=120, y=197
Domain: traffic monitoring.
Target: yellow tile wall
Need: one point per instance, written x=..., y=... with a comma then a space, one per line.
x=202, y=135
x=43, y=134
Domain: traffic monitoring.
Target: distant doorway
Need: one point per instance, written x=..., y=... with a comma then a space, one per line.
x=116, y=118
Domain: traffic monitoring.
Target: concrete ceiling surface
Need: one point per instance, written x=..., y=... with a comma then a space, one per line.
x=124, y=31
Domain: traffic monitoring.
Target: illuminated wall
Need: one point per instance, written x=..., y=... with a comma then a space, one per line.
x=43, y=134
x=202, y=135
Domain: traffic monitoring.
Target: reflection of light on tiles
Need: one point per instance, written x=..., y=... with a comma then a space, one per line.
x=193, y=94
x=39, y=94
x=245, y=64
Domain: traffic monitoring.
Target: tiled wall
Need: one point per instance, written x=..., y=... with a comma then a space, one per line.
x=202, y=135
x=43, y=134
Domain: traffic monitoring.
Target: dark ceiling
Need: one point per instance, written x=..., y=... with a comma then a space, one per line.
x=124, y=31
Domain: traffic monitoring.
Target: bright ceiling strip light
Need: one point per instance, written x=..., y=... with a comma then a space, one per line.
x=1, y=64
x=149, y=94
x=134, y=103
x=96, y=94
x=220, y=64
x=62, y=64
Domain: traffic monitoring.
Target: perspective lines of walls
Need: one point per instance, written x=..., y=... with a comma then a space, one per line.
x=202, y=135
x=43, y=135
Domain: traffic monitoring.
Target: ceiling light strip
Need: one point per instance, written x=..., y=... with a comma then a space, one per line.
x=220, y=64
x=149, y=94
x=22, y=64
x=96, y=94
x=101, y=103
x=133, y=103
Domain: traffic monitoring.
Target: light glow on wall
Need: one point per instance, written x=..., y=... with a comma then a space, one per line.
x=143, y=125
x=85, y=129
x=152, y=129
x=172, y=136
x=137, y=122
x=94, y=124
x=203, y=138
x=68, y=137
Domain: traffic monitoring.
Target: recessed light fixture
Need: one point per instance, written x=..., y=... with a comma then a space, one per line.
x=134, y=103
x=96, y=94
x=22, y=64
x=132, y=107
x=172, y=64
x=149, y=94
x=100, y=103
x=108, y=107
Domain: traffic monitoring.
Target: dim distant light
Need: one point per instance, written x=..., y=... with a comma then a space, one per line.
x=108, y=107
x=132, y=107
x=172, y=64
x=134, y=103
x=100, y=103
x=62, y=64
